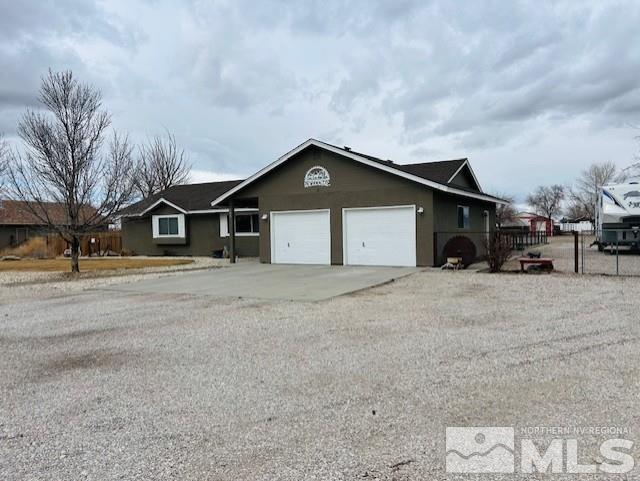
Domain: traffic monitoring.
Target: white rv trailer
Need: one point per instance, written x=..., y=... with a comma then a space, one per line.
x=618, y=216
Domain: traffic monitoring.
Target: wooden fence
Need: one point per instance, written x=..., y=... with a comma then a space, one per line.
x=522, y=240
x=95, y=244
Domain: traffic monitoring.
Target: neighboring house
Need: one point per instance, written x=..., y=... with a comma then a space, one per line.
x=516, y=225
x=536, y=223
x=18, y=224
x=319, y=204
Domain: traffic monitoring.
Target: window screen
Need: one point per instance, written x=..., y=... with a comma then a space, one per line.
x=247, y=223
x=463, y=217
x=168, y=226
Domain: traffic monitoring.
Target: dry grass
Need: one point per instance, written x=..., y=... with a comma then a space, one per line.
x=88, y=265
x=33, y=247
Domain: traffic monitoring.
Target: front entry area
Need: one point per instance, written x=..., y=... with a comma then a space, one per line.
x=379, y=236
x=301, y=237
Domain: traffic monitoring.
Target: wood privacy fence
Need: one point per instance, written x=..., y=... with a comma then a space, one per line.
x=94, y=244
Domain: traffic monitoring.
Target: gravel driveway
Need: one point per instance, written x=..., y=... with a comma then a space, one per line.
x=100, y=386
x=18, y=284
x=562, y=250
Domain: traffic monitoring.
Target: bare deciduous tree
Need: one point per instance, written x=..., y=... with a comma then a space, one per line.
x=574, y=211
x=584, y=195
x=547, y=200
x=4, y=160
x=162, y=164
x=64, y=161
x=505, y=212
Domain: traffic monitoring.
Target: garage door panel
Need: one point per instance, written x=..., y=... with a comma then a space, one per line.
x=301, y=237
x=384, y=236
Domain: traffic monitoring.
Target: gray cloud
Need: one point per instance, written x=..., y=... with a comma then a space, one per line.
x=240, y=82
x=72, y=18
x=506, y=67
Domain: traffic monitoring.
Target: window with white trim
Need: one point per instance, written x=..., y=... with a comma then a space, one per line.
x=463, y=217
x=171, y=225
x=247, y=224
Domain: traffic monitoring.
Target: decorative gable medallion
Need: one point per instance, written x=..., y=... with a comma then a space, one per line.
x=317, y=177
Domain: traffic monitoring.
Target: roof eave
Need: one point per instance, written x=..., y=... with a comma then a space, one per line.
x=220, y=210
x=165, y=201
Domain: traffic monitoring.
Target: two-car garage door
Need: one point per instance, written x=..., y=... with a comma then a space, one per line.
x=380, y=236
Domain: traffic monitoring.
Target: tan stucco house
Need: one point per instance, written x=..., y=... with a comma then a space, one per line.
x=318, y=204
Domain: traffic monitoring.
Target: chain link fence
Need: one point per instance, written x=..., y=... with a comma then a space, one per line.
x=614, y=252
x=607, y=251
x=604, y=252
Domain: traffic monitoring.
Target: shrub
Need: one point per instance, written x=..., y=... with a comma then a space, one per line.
x=498, y=250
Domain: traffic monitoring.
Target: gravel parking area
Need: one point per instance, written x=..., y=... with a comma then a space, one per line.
x=98, y=385
x=561, y=249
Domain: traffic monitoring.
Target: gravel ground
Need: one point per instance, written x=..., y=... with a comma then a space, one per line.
x=99, y=386
x=15, y=284
x=562, y=249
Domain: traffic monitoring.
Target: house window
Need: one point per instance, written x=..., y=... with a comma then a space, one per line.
x=168, y=226
x=463, y=217
x=246, y=224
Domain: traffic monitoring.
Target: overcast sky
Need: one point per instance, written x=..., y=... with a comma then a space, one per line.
x=531, y=92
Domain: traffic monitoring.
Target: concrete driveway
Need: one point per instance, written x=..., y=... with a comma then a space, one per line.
x=270, y=281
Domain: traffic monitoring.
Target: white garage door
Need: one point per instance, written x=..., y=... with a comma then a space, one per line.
x=300, y=237
x=380, y=236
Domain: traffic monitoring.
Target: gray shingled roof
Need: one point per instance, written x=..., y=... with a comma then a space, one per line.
x=438, y=171
x=187, y=196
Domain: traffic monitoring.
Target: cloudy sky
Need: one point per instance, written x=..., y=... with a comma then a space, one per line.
x=531, y=92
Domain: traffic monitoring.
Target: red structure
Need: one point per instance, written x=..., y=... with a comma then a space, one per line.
x=536, y=223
